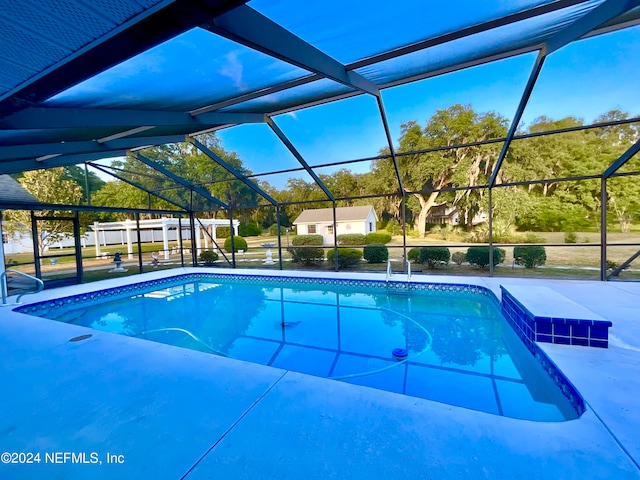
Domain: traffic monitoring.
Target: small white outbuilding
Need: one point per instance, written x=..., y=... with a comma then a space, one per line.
x=361, y=219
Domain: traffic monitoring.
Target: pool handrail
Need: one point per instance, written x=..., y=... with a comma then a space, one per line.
x=4, y=285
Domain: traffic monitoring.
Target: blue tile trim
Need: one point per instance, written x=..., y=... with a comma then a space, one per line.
x=41, y=308
x=528, y=329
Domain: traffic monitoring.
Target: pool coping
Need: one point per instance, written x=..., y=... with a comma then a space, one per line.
x=568, y=358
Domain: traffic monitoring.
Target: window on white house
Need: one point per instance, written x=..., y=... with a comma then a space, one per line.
x=311, y=229
x=330, y=229
x=5, y=238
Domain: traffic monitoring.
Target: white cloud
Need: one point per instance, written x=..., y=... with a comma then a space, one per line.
x=232, y=68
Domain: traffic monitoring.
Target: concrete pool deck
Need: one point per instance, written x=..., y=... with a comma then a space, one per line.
x=172, y=413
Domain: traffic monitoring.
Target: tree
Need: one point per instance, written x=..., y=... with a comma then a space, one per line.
x=423, y=173
x=188, y=162
x=50, y=186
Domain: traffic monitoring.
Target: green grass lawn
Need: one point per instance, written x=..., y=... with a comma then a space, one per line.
x=576, y=260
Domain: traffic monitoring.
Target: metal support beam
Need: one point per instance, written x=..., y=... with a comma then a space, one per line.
x=137, y=185
x=60, y=161
x=603, y=228
x=227, y=166
x=13, y=152
x=46, y=118
x=256, y=94
x=623, y=266
x=278, y=222
x=387, y=131
x=179, y=238
x=533, y=77
x=176, y=178
x=596, y=17
x=246, y=26
x=152, y=26
x=624, y=158
x=466, y=32
x=78, y=246
x=490, y=232
x=87, y=187
x=283, y=138
x=139, y=242
x=335, y=238
x=232, y=234
x=192, y=234
x=392, y=150
x=35, y=236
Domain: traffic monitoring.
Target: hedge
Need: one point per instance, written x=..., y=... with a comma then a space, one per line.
x=458, y=258
x=347, y=257
x=249, y=230
x=307, y=255
x=377, y=237
x=239, y=243
x=432, y=256
x=479, y=256
x=208, y=257
x=351, y=239
x=300, y=240
x=414, y=255
x=531, y=256
x=375, y=253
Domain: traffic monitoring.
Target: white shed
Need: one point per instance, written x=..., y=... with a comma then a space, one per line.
x=319, y=221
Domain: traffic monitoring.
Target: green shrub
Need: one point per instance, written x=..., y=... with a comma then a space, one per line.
x=432, y=256
x=222, y=232
x=307, y=255
x=531, y=256
x=208, y=257
x=413, y=233
x=532, y=238
x=347, y=257
x=239, y=243
x=351, y=239
x=301, y=240
x=479, y=256
x=376, y=253
x=414, y=255
x=458, y=258
x=393, y=227
x=249, y=230
x=381, y=238
x=273, y=229
x=570, y=237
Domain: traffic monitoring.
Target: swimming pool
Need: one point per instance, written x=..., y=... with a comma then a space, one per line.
x=451, y=343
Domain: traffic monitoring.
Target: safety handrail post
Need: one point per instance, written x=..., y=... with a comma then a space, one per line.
x=4, y=283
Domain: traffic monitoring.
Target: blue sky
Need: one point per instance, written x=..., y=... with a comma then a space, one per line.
x=584, y=79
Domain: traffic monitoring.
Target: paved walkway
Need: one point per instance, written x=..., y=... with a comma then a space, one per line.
x=171, y=413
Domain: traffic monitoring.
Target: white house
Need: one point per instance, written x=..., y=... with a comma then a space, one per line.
x=348, y=220
x=444, y=214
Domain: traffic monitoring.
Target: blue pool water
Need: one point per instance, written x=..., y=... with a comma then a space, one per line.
x=459, y=348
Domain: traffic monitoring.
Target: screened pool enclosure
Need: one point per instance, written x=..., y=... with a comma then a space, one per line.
x=154, y=94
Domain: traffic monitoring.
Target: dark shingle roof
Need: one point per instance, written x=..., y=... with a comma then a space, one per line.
x=12, y=192
x=343, y=214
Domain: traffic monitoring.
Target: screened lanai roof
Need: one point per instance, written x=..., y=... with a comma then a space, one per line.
x=84, y=80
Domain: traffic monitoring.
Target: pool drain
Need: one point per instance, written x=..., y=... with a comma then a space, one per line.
x=400, y=353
